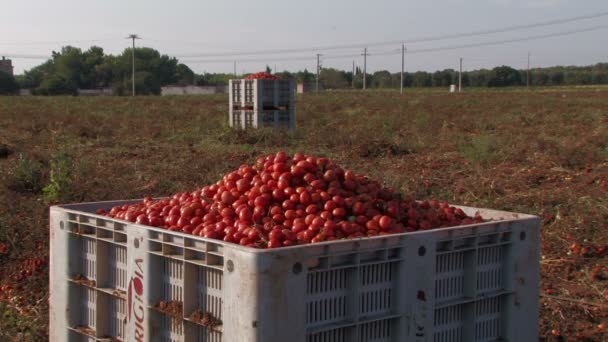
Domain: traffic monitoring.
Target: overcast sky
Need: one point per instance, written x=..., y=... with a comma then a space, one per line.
x=193, y=27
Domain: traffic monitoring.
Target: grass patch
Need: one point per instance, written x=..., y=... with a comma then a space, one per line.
x=480, y=149
x=26, y=177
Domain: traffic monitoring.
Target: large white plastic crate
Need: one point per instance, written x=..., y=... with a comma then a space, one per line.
x=246, y=119
x=471, y=283
x=262, y=94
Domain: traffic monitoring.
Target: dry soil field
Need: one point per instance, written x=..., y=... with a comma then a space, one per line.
x=544, y=153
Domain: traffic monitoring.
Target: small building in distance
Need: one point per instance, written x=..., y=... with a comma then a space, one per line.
x=309, y=87
x=193, y=90
x=6, y=65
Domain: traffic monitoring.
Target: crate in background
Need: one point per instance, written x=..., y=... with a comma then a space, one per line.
x=262, y=94
x=247, y=119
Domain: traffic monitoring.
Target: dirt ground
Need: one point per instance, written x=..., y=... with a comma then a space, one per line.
x=543, y=153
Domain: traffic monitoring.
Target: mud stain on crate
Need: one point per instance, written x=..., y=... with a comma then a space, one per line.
x=205, y=319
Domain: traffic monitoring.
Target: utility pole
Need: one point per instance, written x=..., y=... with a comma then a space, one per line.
x=318, y=71
x=364, y=68
x=352, y=83
x=133, y=37
x=528, y=72
x=402, y=65
x=460, y=77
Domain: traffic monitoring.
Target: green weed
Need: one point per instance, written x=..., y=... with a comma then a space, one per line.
x=481, y=149
x=26, y=177
x=59, y=182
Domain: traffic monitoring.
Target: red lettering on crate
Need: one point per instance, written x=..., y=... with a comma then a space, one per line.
x=134, y=300
x=139, y=336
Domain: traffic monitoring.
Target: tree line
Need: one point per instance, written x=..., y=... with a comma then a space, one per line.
x=71, y=69
x=502, y=76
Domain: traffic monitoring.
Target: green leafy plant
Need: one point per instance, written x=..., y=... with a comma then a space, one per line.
x=61, y=172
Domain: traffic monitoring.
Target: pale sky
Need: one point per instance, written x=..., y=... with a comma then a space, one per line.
x=190, y=27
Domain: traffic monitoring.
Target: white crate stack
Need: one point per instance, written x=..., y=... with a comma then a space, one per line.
x=262, y=103
x=470, y=283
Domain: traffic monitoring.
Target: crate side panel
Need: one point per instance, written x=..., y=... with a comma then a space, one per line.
x=210, y=291
x=488, y=313
x=376, y=289
x=59, y=295
x=448, y=324
x=328, y=296
x=376, y=331
x=522, y=277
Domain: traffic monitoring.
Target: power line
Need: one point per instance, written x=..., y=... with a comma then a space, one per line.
x=508, y=41
x=56, y=42
x=415, y=51
x=381, y=53
x=23, y=56
x=407, y=41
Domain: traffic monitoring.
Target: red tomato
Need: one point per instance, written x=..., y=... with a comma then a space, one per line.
x=385, y=223
x=292, y=200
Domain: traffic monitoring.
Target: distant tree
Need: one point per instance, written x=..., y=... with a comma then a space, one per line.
x=479, y=78
x=268, y=70
x=358, y=81
x=185, y=75
x=382, y=79
x=31, y=79
x=333, y=79
x=442, y=78
x=147, y=83
x=8, y=85
x=166, y=71
x=556, y=77
x=91, y=78
x=68, y=64
x=539, y=77
x=209, y=79
x=578, y=77
x=600, y=73
x=422, y=79
x=107, y=71
x=286, y=75
x=504, y=76
x=56, y=85
x=466, y=79
x=305, y=76
x=408, y=78
x=395, y=79
x=153, y=71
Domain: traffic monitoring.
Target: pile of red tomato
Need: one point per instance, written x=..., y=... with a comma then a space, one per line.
x=287, y=200
x=262, y=76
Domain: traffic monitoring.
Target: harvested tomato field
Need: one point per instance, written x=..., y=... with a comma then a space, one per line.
x=543, y=152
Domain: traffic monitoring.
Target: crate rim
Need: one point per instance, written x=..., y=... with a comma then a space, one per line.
x=70, y=209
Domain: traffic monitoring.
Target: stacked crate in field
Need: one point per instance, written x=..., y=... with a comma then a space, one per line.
x=256, y=103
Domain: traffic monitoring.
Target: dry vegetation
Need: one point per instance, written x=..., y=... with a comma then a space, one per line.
x=544, y=153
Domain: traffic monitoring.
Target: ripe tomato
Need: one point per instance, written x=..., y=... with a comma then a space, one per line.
x=293, y=200
x=385, y=223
